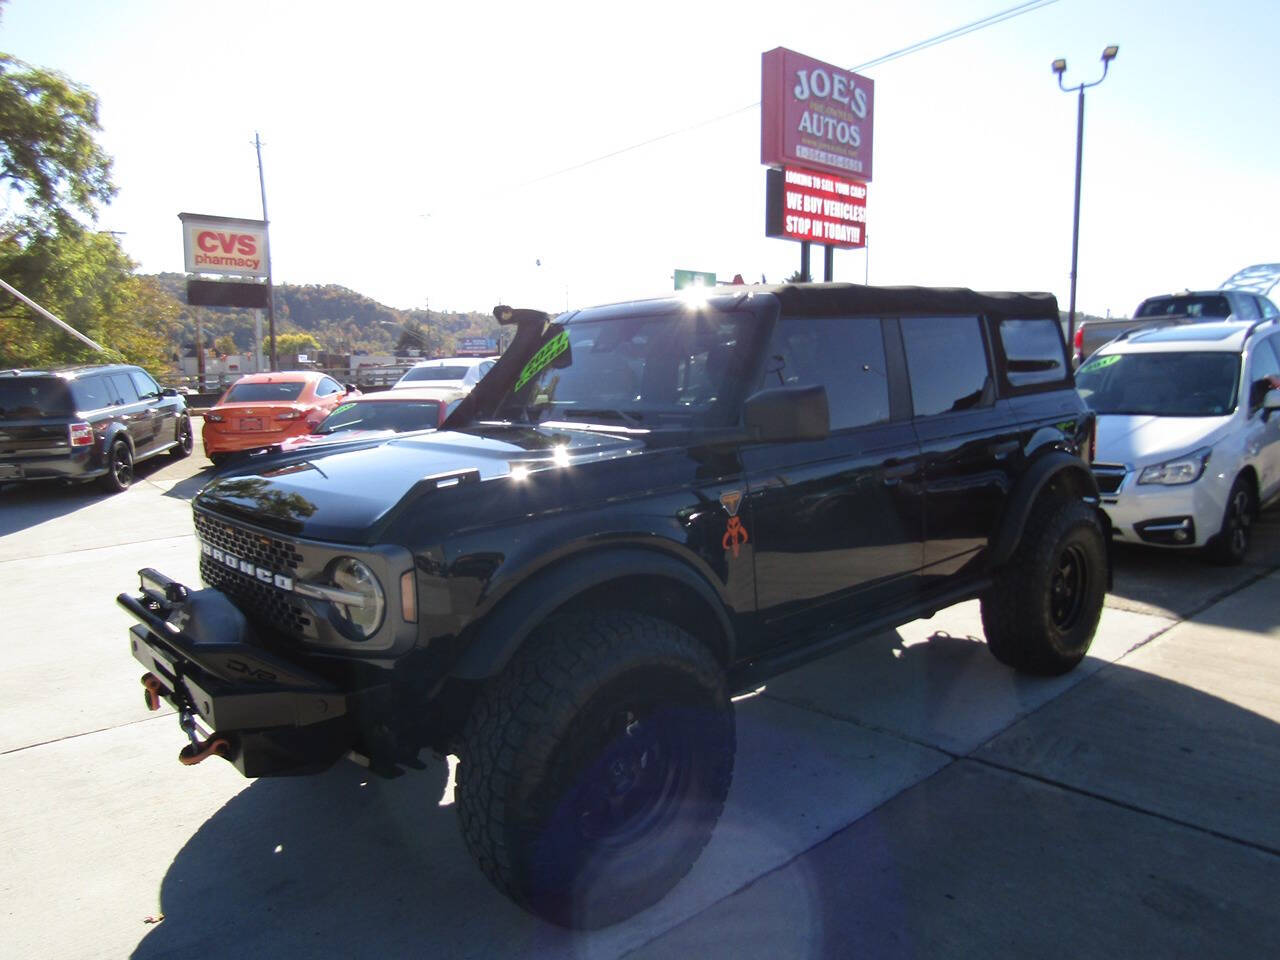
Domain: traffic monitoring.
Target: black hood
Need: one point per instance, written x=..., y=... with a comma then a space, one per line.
x=345, y=495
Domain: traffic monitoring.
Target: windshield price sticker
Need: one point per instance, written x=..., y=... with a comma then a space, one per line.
x=344, y=408
x=543, y=358
x=1100, y=363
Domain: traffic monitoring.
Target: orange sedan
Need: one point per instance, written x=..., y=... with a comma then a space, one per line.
x=265, y=408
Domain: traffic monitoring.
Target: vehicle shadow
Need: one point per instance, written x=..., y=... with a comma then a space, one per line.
x=27, y=505
x=347, y=865
x=1180, y=584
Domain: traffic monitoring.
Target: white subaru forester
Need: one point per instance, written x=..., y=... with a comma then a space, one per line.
x=1188, y=432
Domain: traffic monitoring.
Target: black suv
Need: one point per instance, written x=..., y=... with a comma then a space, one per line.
x=77, y=423
x=643, y=509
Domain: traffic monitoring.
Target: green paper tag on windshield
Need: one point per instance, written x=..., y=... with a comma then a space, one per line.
x=543, y=358
x=345, y=406
x=1100, y=363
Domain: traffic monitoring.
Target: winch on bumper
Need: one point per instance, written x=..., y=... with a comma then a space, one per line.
x=264, y=714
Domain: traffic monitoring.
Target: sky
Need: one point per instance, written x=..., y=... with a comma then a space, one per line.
x=436, y=155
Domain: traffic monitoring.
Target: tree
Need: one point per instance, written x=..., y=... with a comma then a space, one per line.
x=292, y=344
x=226, y=345
x=48, y=154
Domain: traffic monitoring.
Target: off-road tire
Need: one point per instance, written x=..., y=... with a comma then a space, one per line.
x=594, y=767
x=119, y=475
x=186, y=440
x=1040, y=615
x=1229, y=547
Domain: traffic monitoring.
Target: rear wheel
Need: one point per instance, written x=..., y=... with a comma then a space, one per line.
x=595, y=766
x=1040, y=615
x=1232, y=542
x=119, y=467
x=186, y=441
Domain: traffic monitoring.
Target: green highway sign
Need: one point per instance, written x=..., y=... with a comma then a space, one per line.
x=694, y=278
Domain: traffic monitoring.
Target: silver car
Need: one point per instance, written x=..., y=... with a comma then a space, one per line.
x=1188, y=437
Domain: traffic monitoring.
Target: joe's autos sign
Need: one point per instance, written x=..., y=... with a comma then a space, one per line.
x=228, y=246
x=815, y=115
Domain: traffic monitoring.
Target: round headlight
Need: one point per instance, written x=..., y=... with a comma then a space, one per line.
x=361, y=619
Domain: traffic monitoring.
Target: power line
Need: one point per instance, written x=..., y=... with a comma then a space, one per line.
x=989, y=21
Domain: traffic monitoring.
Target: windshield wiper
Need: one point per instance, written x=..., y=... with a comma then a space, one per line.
x=630, y=419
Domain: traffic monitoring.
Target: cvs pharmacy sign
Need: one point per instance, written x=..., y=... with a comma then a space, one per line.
x=224, y=245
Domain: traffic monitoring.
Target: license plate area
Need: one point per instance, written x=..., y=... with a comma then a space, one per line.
x=250, y=423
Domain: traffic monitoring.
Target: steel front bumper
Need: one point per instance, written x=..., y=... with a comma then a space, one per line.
x=264, y=714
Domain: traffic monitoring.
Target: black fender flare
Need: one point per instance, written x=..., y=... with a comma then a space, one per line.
x=1049, y=466
x=116, y=431
x=516, y=615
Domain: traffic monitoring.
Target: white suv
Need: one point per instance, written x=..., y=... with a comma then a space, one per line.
x=459, y=373
x=1188, y=437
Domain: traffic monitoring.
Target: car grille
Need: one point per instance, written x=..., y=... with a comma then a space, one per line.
x=1109, y=476
x=262, y=602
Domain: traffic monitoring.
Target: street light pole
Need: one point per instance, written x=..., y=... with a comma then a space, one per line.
x=1060, y=67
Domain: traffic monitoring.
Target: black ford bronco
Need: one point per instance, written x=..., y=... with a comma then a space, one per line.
x=643, y=509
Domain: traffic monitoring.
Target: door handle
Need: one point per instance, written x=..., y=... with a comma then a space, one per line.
x=894, y=472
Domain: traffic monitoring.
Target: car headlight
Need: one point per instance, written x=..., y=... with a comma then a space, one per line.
x=1173, y=472
x=361, y=615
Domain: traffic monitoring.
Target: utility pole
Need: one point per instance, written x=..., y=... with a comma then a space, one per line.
x=271, y=310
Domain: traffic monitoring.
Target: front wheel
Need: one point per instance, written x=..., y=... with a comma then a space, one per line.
x=186, y=441
x=1232, y=543
x=1040, y=615
x=594, y=768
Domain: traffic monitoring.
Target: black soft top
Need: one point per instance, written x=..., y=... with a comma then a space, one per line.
x=849, y=299
x=832, y=299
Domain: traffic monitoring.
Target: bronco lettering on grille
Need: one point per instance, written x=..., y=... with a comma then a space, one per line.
x=232, y=562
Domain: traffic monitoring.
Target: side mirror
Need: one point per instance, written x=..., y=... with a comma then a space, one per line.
x=1271, y=401
x=782, y=414
x=350, y=388
x=169, y=392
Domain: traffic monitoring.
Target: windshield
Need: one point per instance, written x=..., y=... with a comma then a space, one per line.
x=434, y=373
x=639, y=370
x=34, y=397
x=1191, y=305
x=382, y=415
x=264, y=392
x=1163, y=384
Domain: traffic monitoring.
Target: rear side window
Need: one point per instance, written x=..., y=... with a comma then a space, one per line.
x=264, y=392
x=1033, y=353
x=1268, y=308
x=33, y=397
x=327, y=387
x=947, y=364
x=123, y=388
x=843, y=354
x=91, y=393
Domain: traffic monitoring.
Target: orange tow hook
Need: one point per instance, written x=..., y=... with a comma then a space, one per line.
x=194, y=753
x=153, y=691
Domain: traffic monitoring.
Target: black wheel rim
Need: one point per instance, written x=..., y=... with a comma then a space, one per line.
x=122, y=465
x=1238, y=519
x=634, y=786
x=185, y=440
x=1068, y=587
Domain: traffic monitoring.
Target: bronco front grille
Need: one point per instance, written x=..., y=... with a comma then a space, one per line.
x=261, y=600
x=1109, y=476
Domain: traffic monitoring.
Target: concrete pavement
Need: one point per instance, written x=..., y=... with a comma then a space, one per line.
x=905, y=797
